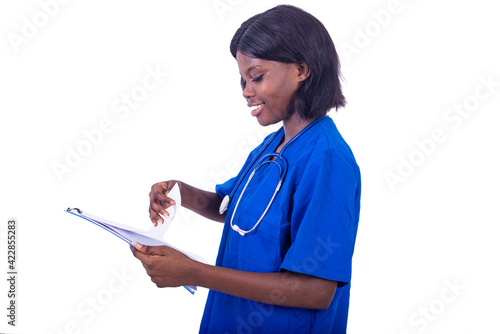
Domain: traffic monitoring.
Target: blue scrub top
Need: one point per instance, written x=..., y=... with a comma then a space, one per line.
x=310, y=228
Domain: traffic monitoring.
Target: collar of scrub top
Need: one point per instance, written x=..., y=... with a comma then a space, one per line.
x=266, y=159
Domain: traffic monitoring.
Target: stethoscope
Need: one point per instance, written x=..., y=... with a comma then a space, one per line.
x=261, y=161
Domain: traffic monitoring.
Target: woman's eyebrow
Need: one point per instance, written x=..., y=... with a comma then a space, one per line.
x=252, y=68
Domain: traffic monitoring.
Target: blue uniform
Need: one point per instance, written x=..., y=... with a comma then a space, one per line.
x=310, y=228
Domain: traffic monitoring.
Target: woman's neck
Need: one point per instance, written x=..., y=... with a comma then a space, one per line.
x=293, y=125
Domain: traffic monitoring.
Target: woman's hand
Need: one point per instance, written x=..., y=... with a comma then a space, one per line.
x=166, y=266
x=202, y=202
x=159, y=201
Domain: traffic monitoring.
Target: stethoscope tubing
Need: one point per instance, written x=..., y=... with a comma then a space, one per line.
x=262, y=161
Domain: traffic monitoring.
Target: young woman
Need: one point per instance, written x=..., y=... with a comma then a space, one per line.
x=284, y=262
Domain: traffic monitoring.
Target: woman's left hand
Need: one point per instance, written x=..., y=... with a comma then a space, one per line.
x=166, y=266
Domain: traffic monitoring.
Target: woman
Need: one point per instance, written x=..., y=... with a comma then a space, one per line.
x=284, y=262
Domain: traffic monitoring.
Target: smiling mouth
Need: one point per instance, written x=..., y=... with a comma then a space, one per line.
x=257, y=109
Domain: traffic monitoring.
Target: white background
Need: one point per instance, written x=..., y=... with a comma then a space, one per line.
x=403, y=72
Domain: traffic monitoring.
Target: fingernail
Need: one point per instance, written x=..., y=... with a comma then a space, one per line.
x=136, y=244
x=172, y=202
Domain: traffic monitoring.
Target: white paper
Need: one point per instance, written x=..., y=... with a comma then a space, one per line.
x=155, y=236
x=158, y=231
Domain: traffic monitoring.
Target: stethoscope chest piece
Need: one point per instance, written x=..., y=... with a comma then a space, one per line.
x=224, y=204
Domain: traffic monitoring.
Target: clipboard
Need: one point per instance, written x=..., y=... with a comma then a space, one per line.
x=151, y=237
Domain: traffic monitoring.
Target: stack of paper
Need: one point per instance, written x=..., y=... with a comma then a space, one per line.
x=152, y=237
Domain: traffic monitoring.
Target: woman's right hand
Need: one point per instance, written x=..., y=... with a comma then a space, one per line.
x=159, y=200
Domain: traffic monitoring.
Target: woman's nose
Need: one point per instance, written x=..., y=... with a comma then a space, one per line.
x=248, y=92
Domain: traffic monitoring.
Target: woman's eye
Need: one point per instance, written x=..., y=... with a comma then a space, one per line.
x=243, y=82
x=256, y=79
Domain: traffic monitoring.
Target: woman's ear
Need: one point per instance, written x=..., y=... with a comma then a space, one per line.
x=303, y=71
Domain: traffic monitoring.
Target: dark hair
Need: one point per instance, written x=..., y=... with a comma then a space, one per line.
x=290, y=35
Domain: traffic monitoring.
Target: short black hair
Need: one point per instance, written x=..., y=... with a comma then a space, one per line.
x=291, y=35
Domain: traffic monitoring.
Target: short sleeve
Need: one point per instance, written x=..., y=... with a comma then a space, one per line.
x=325, y=218
x=226, y=188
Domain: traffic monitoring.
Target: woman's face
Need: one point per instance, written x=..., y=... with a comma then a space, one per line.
x=269, y=87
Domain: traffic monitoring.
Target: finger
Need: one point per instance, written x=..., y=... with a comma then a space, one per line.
x=163, y=199
x=137, y=253
x=158, y=205
x=140, y=254
x=155, y=217
x=139, y=247
x=160, y=208
x=149, y=250
x=159, y=188
x=159, y=192
x=154, y=213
